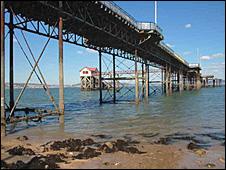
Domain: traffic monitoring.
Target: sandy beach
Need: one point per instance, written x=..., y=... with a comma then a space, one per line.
x=105, y=153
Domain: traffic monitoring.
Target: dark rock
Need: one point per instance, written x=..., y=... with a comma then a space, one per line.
x=193, y=146
x=106, y=163
x=18, y=165
x=132, y=150
x=4, y=165
x=103, y=136
x=120, y=144
x=57, y=145
x=19, y=150
x=149, y=135
x=70, y=144
x=88, y=141
x=108, y=147
x=56, y=157
x=41, y=162
x=22, y=138
x=164, y=141
x=74, y=145
x=37, y=162
x=88, y=153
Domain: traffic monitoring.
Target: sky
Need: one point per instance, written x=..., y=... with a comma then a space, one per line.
x=194, y=29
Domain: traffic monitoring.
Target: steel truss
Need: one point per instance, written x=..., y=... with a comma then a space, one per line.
x=43, y=29
x=119, y=87
x=156, y=81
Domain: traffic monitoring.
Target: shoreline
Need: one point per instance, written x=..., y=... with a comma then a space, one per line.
x=152, y=155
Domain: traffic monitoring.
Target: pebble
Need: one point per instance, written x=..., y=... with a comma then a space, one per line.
x=22, y=138
x=200, y=152
x=222, y=160
x=117, y=163
x=210, y=165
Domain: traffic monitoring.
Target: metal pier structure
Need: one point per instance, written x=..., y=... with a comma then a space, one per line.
x=98, y=25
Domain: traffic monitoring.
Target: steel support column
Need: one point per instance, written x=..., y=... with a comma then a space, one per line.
x=3, y=116
x=114, y=90
x=178, y=80
x=61, y=71
x=162, y=79
x=166, y=79
x=198, y=81
x=204, y=82
x=170, y=80
x=214, y=83
x=146, y=81
x=143, y=89
x=100, y=77
x=181, y=81
x=136, y=79
x=207, y=82
x=11, y=89
x=187, y=81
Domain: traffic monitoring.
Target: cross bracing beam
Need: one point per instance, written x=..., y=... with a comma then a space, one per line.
x=114, y=34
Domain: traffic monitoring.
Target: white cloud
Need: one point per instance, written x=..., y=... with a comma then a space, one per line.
x=218, y=55
x=187, y=53
x=187, y=26
x=213, y=56
x=170, y=45
x=205, y=57
x=90, y=50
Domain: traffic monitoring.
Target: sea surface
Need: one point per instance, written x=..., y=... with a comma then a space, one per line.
x=192, y=113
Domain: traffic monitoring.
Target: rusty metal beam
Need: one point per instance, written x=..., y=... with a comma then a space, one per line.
x=61, y=71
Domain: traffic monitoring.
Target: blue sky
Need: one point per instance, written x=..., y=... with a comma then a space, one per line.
x=187, y=26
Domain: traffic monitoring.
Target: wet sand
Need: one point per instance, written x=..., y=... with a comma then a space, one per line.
x=155, y=156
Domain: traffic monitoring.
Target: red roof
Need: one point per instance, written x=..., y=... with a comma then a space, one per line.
x=90, y=68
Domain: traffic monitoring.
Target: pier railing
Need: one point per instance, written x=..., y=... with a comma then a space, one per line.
x=177, y=56
x=122, y=13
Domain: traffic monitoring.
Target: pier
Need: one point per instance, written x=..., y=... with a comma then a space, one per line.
x=100, y=26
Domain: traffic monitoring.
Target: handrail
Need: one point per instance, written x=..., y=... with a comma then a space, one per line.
x=139, y=25
x=176, y=55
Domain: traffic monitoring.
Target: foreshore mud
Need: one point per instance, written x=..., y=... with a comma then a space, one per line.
x=105, y=151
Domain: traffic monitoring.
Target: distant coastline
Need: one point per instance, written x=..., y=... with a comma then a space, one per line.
x=38, y=86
